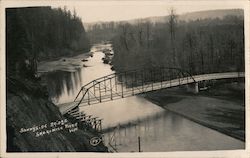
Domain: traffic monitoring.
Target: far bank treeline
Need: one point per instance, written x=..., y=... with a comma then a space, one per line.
x=199, y=46
x=41, y=33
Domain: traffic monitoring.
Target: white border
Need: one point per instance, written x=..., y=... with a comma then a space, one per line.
x=222, y=153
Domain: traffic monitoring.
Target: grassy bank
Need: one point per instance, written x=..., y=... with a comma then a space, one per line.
x=221, y=107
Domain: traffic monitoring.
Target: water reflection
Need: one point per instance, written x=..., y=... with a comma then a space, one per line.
x=122, y=111
x=63, y=85
x=166, y=131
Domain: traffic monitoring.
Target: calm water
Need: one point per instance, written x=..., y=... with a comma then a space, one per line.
x=158, y=129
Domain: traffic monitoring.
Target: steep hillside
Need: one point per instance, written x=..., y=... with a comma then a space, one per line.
x=28, y=107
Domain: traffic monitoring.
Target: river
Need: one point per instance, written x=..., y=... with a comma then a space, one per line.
x=159, y=130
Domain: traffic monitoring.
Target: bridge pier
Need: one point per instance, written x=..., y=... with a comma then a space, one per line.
x=196, y=89
x=193, y=87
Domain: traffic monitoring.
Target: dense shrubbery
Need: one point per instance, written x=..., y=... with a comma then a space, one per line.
x=40, y=33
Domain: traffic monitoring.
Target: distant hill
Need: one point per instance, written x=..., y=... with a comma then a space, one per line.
x=195, y=15
x=211, y=14
x=185, y=17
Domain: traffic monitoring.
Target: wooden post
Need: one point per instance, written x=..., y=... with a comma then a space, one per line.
x=142, y=80
x=122, y=85
x=100, y=125
x=151, y=73
x=94, y=88
x=115, y=83
x=122, y=89
x=88, y=98
x=100, y=95
x=125, y=75
x=105, y=84
x=111, y=89
x=161, y=77
x=139, y=143
x=133, y=79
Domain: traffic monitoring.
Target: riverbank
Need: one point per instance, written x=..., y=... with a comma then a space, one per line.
x=221, y=108
x=69, y=64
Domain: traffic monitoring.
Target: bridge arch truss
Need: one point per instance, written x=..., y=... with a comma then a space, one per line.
x=130, y=83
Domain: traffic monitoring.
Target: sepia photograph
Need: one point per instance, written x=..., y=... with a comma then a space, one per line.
x=133, y=77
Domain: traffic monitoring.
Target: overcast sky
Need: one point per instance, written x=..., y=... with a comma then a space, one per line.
x=115, y=11
x=106, y=10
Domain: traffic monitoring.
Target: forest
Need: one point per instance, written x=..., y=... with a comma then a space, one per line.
x=200, y=46
x=35, y=34
x=102, y=32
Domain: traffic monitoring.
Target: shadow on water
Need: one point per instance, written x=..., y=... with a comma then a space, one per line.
x=161, y=98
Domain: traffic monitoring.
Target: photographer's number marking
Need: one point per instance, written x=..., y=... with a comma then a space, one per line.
x=95, y=141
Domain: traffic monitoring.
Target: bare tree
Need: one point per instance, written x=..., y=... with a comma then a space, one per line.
x=172, y=23
x=124, y=36
x=211, y=51
x=148, y=33
x=140, y=32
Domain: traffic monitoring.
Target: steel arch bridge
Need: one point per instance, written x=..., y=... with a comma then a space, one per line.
x=133, y=82
x=129, y=83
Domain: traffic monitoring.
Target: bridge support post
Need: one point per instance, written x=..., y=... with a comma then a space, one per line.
x=196, y=88
x=193, y=87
